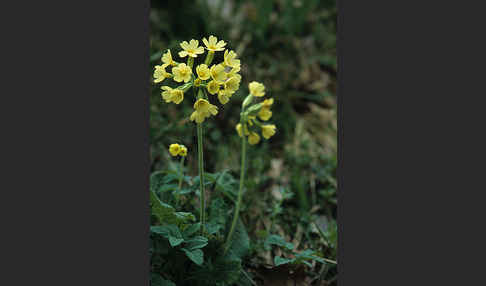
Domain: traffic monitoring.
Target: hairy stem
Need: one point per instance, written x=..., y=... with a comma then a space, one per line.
x=201, y=175
x=181, y=176
x=240, y=192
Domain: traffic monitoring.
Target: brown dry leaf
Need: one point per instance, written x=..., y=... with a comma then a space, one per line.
x=298, y=236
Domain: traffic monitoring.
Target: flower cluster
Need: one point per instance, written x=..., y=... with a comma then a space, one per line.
x=249, y=118
x=178, y=150
x=221, y=80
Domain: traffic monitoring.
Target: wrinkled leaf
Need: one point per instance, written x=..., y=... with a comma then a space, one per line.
x=277, y=240
x=197, y=256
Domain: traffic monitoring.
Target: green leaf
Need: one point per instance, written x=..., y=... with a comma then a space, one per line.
x=190, y=230
x=171, y=232
x=280, y=260
x=195, y=243
x=277, y=240
x=240, y=244
x=166, y=214
x=212, y=228
x=307, y=254
x=197, y=256
x=169, y=187
x=218, y=214
x=157, y=280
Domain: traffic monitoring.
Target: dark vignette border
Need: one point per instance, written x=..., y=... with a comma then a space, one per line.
x=75, y=193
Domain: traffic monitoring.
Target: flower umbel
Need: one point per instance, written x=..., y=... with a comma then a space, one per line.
x=249, y=116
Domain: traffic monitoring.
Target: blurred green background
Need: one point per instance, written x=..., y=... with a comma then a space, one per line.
x=289, y=46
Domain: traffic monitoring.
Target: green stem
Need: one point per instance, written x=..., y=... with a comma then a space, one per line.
x=181, y=176
x=190, y=61
x=201, y=175
x=209, y=58
x=240, y=192
x=200, y=162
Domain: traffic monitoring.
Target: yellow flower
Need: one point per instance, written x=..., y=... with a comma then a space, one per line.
x=160, y=74
x=232, y=84
x=183, y=151
x=254, y=138
x=268, y=130
x=257, y=89
x=182, y=72
x=217, y=73
x=265, y=113
x=224, y=96
x=167, y=59
x=238, y=129
x=230, y=58
x=234, y=72
x=174, y=149
x=245, y=130
x=203, y=109
x=174, y=95
x=213, y=44
x=203, y=72
x=190, y=49
x=213, y=87
x=267, y=102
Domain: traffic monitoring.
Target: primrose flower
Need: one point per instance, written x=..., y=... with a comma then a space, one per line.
x=257, y=89
x=217, y=73
x=175, y=95
x=202, y=71
x=265, y=113
x=203, y=109
x=268, y=130
x=182, y=72
x=213, y=44
x=231, y=85
x=253, y=138
x=183, y=151
x=245, y=130
x=224, y=96
x=230, y=59
x=167, y=59
x=191, y=49
x=160, y=74
x=234, y=71
x=174, y=149
x=238, y=129
x=213, y=87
